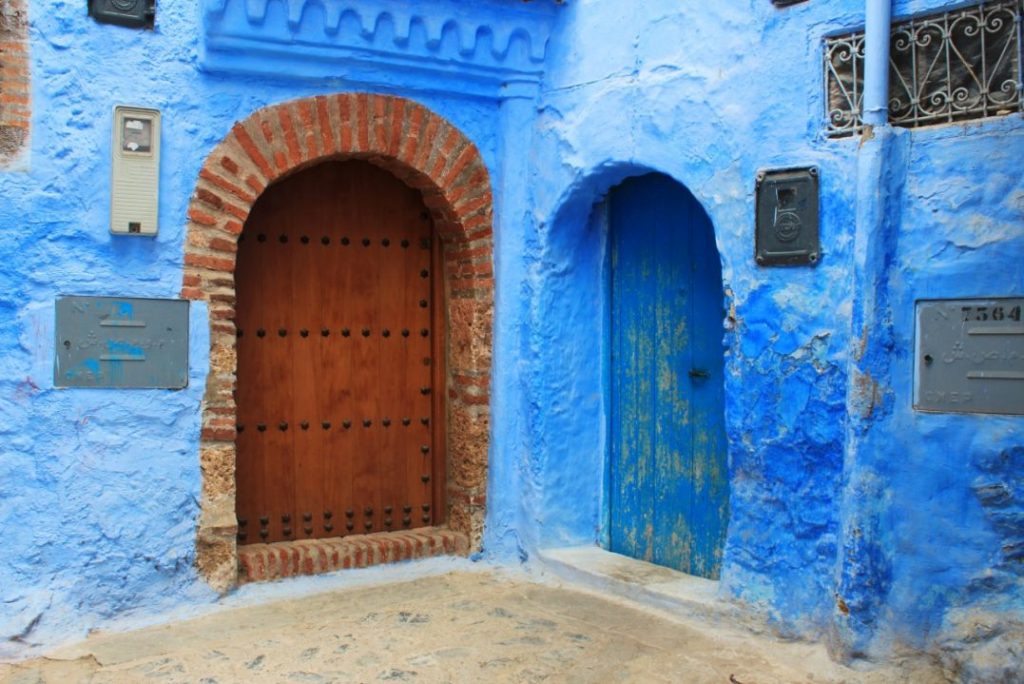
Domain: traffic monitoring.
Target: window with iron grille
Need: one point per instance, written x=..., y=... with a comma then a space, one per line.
x=954, y=66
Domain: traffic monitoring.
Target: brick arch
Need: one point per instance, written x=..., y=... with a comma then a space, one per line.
x=427, y=153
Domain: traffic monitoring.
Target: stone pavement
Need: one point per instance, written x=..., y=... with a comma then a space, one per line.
x=459, y=627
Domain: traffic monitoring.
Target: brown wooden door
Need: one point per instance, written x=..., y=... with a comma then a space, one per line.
x=339, y=358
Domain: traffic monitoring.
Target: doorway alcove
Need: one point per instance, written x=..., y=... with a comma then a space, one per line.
x=668, y=489
x=574, y=384
x=428, y=155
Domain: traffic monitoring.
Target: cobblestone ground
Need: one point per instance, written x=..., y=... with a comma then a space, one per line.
x=460, y=627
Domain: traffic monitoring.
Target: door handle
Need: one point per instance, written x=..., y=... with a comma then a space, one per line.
x=700, y=373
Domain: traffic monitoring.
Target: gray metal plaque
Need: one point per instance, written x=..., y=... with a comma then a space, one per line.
x=121, y=342
x=787, y=218
x=970, y=356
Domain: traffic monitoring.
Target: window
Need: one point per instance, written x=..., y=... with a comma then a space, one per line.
x=954, y=66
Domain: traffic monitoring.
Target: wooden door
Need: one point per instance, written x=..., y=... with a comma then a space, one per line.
x=339, y=358
x=668, y=477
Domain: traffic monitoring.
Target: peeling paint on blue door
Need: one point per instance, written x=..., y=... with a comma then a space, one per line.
x=668, y=478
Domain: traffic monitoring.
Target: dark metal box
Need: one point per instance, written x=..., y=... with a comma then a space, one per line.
x=130, y=13
x=969, y=356
x=787, y=217
x=121, y=342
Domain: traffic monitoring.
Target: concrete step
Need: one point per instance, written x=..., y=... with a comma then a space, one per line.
x=684, y=596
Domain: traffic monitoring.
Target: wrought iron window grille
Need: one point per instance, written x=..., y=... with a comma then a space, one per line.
x=953, y=66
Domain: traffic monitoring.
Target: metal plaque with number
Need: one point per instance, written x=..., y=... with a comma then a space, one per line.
x=786, y=231
x=970, y=356
x=121, y=342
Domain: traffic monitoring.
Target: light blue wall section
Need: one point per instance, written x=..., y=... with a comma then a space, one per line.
x=709, y=94
x=99, y=489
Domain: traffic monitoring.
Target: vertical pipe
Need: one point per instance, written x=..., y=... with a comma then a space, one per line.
x=867, y=545
x=876, y=61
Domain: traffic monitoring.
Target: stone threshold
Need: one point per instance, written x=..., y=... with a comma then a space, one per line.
x=266, y=562
x=681, y=595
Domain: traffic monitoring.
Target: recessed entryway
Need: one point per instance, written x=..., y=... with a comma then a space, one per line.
x=336, y=184
x=668, y=493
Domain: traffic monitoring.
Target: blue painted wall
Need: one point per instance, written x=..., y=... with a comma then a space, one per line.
x=682, y=92
x=915, y=521
x=99, y=489
x=895, y=530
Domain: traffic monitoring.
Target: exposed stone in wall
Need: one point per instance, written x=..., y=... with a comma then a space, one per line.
x=983, y=637
x=427, y=153
x=15, y=105
x=1000, y=491
x=982, y=646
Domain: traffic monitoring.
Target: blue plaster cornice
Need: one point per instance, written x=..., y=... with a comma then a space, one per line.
x=485, y=48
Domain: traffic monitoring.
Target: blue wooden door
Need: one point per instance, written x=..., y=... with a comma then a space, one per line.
x=669, y=495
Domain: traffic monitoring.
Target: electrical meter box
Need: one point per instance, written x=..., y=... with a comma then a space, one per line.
x=969, y=356
x=135, y=182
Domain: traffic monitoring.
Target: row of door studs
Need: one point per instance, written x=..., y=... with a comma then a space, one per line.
x=346, y=424
x=345, y=332
x=326, y=240
x=307, y=519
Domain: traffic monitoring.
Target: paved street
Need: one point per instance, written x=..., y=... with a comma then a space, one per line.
x=458, y=627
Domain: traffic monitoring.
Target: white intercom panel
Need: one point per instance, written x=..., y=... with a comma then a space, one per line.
x=135, y=183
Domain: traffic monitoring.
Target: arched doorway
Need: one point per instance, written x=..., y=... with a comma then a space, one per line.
x=444, y=167
x=668, y=475
x=340, y=421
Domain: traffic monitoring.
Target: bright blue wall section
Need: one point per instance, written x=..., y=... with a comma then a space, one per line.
x=905, y=519
x=661, y=87
x=954, y=482
x=99, y=489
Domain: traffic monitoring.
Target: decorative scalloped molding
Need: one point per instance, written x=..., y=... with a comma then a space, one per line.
x=476, y=47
